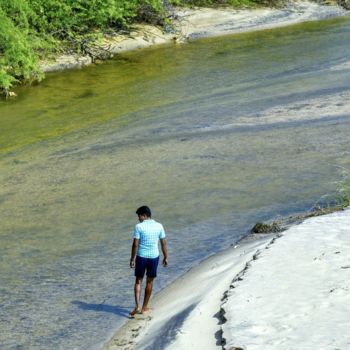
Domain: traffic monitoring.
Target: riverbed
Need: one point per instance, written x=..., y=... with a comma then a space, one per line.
x=213, y=135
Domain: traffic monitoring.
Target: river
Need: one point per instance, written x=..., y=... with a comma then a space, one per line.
x=214, y=135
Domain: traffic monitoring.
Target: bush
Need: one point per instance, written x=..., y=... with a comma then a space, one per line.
x=17, y=58
x=33, y=28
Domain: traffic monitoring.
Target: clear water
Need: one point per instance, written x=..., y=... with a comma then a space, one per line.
x=213, y=135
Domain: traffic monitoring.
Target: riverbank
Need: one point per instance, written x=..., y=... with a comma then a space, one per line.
x=193, y=114
x=238, y=299
x=296, y=294
x=198, y=23
x=193, y=299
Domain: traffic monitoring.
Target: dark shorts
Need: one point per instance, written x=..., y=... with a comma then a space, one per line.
x=146, y=264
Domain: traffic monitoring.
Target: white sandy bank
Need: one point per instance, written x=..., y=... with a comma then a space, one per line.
x=213, y=22
x=203, y=22
x=296, y=295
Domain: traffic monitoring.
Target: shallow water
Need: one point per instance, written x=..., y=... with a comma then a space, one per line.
x=214, y=135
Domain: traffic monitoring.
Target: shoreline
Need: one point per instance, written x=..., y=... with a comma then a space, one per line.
x=184, y=313
x=200, y=23
x=179, y=301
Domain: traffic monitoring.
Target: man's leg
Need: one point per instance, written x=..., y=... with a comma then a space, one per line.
x=152, y=265
x=137, y=292
x=148, y=292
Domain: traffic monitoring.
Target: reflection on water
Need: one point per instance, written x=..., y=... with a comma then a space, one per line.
x=213, y=135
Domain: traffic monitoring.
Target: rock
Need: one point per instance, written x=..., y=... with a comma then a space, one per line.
x=9, y=94
x=261, y=227
x=66, y=62
x=344, y=3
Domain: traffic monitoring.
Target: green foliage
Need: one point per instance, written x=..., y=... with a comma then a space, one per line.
x=151, y=11
x=17, y=59
x=344, y=187
x=30, y=29
x=243, y=3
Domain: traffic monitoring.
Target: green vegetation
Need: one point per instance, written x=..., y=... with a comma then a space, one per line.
x=345, y=189
x=33, y=29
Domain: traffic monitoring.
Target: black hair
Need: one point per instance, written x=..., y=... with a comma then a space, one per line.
x=144, y=210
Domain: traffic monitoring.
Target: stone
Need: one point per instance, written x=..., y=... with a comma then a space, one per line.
x=344, y=3
x=261, y=227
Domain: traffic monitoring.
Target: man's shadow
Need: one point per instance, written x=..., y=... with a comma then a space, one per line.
x=120, y=311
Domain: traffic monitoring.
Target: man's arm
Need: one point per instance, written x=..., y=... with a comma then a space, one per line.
x=164, y=251
x=135, y=245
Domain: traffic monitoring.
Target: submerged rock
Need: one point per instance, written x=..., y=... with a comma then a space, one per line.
x=261, y=227
x=8, y=94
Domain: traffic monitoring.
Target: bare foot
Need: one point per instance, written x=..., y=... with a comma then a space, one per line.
x=145, y=310
x=134, y=312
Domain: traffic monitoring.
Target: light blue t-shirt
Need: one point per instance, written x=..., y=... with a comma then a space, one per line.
x=149, y=232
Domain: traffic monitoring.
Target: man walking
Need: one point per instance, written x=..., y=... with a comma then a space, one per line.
x=145, y=255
